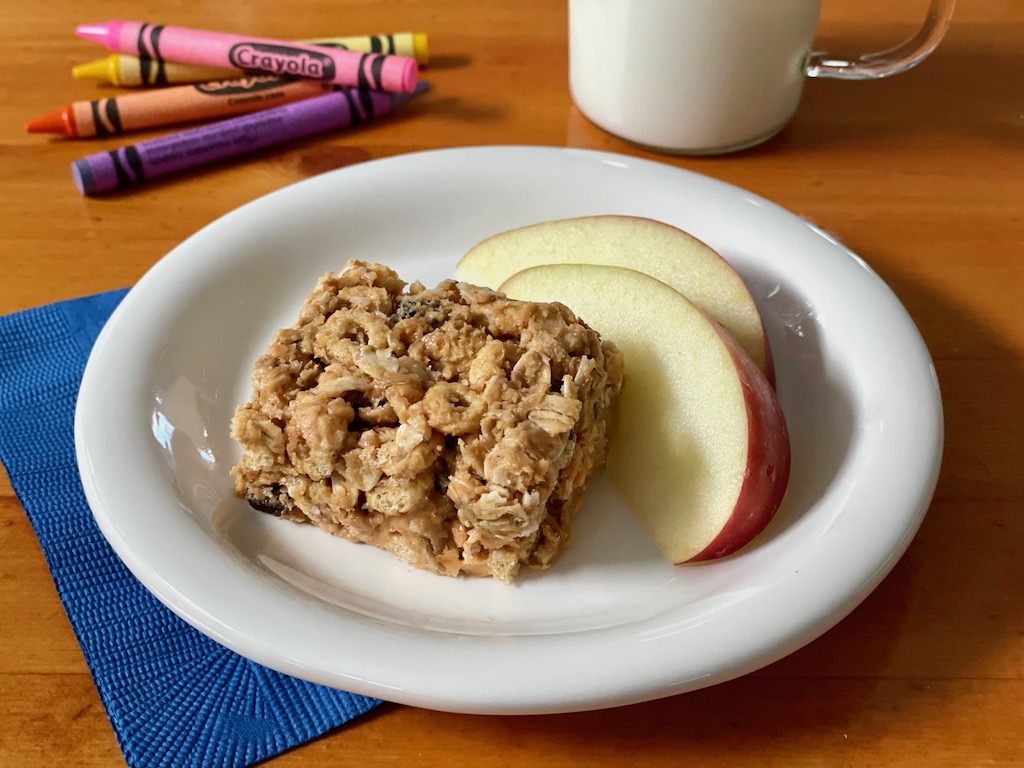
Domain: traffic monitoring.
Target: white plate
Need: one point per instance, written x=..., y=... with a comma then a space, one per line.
x=610, y=623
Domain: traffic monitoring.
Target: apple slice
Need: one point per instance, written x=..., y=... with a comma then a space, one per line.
x=700, y=450
x=652, y=247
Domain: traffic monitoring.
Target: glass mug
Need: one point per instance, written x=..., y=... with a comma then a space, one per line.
x=711, y=76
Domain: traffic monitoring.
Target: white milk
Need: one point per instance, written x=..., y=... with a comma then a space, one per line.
x=690, y=76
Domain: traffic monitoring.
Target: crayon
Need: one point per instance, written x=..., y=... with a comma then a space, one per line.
x=137, y=163
x=397, y=74
x=131, y=71
x=180, y=104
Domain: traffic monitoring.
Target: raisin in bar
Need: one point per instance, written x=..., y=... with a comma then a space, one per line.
x=452, y=426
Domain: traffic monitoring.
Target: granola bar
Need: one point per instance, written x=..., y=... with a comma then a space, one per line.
x=452, y=426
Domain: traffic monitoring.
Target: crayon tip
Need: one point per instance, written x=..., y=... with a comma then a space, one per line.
x=97, y=33
x=419, y=46
x=52, y=122
x=101, y=69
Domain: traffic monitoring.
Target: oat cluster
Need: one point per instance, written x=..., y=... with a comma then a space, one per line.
x=452, y=426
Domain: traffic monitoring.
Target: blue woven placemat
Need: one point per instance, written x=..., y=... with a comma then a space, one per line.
x=174, y=697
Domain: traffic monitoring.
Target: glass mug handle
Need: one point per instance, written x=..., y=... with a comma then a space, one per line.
x=893, y=61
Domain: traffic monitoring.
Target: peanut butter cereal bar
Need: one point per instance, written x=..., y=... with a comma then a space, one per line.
x=452, y=426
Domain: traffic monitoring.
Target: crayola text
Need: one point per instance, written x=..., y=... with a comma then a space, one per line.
x=281, y=60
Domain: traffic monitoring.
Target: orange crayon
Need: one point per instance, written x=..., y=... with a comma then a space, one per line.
x=181, y=104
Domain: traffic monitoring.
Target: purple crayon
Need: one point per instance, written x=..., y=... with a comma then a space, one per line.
x=136, y=163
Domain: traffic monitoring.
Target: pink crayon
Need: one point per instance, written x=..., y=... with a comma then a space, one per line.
x=137, y=163
x=397, y=74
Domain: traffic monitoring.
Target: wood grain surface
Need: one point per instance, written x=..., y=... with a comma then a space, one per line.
x=921, y=174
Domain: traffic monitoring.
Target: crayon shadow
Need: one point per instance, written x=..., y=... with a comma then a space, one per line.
x=459, y=109
x=448, y=61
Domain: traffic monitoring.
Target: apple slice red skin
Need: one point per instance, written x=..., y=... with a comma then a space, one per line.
x=769, y=360
x=767, y=463
x=768, y=452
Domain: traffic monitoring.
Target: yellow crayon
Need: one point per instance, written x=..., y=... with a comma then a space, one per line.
x=131, y=71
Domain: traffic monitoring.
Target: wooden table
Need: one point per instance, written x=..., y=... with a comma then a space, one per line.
x=922, y=175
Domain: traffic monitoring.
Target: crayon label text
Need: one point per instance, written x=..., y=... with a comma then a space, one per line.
x=282, y=60
x=249, y=84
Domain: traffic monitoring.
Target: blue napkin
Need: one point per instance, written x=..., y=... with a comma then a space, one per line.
x=174, y=697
